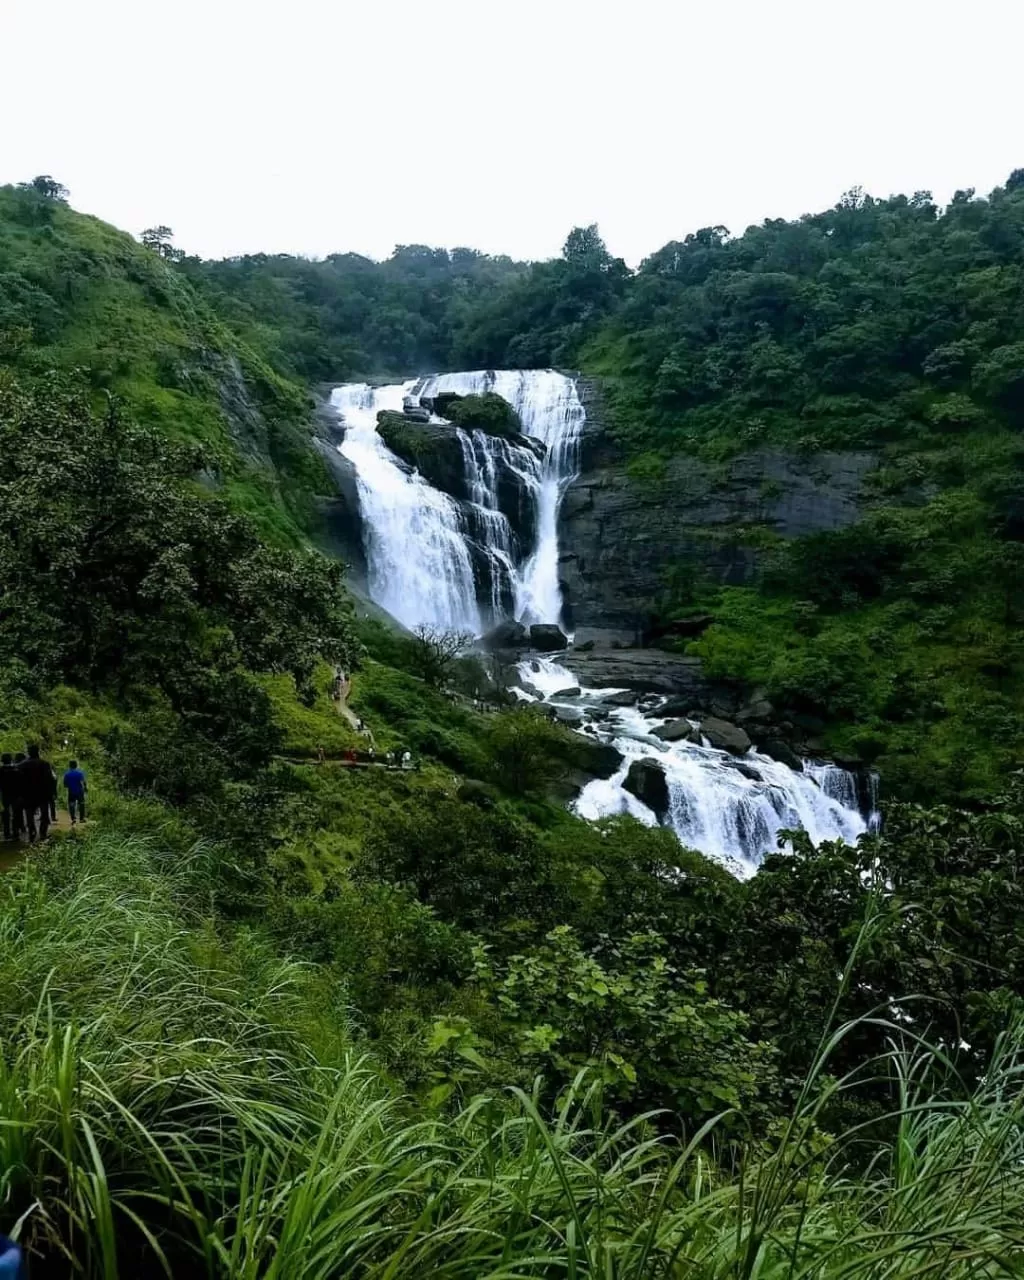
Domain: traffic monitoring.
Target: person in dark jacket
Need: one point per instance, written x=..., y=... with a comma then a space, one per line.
x=9, y=790
x=37, y=785
x=19, y=797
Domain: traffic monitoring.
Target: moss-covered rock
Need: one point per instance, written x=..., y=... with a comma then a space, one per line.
x=432, y=448
x=487, y=412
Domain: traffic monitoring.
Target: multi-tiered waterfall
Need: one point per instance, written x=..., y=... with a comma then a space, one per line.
x=465, y=560
x=458, y=564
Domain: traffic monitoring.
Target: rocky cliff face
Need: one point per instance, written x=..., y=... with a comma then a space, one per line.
x=342, y=527
x=623, y=539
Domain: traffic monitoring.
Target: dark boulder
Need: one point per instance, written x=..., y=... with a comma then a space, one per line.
x=547, y=638
x=506, y=635
x=487, y=412
x=683, y=628
x=757, y=711
x=585, y=647
x=442, y=402
x=778, y=750
x=676, y=731
x=625, y=698
x=647, y=781
x=725, y=736
x=432, y=449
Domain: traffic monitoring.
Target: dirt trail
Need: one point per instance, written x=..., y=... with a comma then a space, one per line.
x=12, y=851
x=341, y=702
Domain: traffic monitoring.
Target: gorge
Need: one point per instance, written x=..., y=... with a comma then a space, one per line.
x=461, y=530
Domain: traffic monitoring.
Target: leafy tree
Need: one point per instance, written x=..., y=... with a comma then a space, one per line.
x=657, y=1036
x=436, y=650
x=116, y=571
x=160, y=240
x=526, y=749
x=47, y=187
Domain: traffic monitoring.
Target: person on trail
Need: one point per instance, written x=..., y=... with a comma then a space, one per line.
x=37, y=785
x=321, y=754
x=406, y=759
x=19, y=796
x=75, y=786
x=9, y=785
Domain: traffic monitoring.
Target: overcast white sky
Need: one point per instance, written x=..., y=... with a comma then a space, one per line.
x=312, y=127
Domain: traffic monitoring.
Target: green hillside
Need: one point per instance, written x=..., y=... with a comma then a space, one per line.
x=271, y=1015
x=75, y=293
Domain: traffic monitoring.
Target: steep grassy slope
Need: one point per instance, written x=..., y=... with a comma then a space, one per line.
x=77, y=293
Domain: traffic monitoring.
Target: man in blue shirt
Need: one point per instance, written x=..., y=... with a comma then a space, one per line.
x=74, y=784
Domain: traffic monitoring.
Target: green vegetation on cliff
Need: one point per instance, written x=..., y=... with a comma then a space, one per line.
x=77, y=294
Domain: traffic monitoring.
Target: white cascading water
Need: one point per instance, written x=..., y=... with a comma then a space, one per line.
x=416, y=537
x=730, y=809
x=419, y=563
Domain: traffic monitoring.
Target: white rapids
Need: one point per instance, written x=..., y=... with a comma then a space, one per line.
x=420, y=543
x=730, y=809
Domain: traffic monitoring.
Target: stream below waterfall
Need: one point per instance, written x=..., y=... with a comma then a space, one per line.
x=730, y=808
x=460, y=564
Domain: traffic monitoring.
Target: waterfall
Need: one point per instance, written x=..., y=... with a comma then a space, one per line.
x=729, y=808
x=421, y=545
x=419, y=561
x=465, y=564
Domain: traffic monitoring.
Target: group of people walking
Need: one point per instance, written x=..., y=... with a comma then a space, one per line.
x=28, y=794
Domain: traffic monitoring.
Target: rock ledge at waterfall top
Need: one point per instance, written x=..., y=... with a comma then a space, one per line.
x=431, y=448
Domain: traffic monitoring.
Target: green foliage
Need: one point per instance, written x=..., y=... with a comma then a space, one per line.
x=653, y=1033
x=114, y=568
x=185, y=1101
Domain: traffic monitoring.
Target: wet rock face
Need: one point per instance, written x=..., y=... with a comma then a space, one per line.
x=677, y=731
x=432, y=449
x=621, y=538
x=643, y=670
x=725, y=736
x=647, y=781
x=506, y=635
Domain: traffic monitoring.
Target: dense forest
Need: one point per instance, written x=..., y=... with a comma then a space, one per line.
x=269, y=1016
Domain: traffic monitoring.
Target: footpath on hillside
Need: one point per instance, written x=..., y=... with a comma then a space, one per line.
x=352, y=757
x=12, y=851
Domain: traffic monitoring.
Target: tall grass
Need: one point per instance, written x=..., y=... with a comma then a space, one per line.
x=174, y=1103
